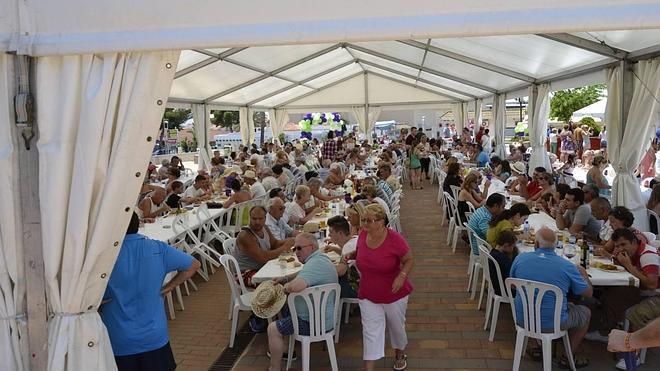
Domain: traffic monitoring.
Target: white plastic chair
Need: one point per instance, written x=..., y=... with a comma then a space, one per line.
x=531, y=294
x=449, y=210
x=169, y=297
x=440, y=175
x=493, y=300
x=345, y=307
x=653, y=216
x=193, y=245
x=482, y=245
x=240, y=296
x=209, y=230
x=474, y=265
x=459, y=226
x=316, y=298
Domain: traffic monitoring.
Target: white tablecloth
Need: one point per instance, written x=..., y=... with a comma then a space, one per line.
x=274, y=269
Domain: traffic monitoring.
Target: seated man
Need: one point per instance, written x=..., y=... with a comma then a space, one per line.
x=276, y=223
x=315, y=187
x=641, y=261
x=196, y=192
x=386, y=176
x=134, y=314
x=256, y=188
x=162, y=170
x=255, y=245
x=340, y=234
x=544, y=265
x=575, y=215
x=335, y=177
x=495, y=204
x=317, y=270
x=153, y=206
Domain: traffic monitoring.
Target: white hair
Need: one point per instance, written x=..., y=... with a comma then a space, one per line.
x=310, y=238
x=273, y=201
x=545, y=242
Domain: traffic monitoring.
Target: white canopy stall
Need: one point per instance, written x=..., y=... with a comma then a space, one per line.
x=100, y=72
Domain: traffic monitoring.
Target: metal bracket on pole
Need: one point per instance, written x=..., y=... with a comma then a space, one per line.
x=28, y=163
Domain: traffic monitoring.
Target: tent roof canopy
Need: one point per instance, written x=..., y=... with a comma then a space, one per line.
x=425, y=71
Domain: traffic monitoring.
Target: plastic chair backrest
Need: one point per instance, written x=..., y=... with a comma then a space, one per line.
x=531, y=294
x=233, y=273
x=485, y=256
x=180, y=223
x=229, y=246
x=455, y=190
x=316, y=298
x=449, y=204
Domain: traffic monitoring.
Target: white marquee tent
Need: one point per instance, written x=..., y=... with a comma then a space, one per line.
x=101, y=73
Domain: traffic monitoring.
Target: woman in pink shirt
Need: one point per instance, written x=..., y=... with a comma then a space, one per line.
x=384, y=261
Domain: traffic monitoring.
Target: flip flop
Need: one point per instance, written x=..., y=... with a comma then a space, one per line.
x=402, y=363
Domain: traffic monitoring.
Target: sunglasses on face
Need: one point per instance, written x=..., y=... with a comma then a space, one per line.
x=298, y=248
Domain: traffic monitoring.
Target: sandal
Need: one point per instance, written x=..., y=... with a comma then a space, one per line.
x=580, y=362
x=400, y=363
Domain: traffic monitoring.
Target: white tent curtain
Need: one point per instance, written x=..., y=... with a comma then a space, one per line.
x=247, y=125
x=499, y=118
x=460, y=111
x=98, y=118
x=374, y=113
x=278, y=120
x=358, y=112
x=13, y=349
x=632, y=139
x=539, y=108
x=201, y=121
x=478, y=116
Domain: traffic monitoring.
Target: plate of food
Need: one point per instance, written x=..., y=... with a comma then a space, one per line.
x=610, y=268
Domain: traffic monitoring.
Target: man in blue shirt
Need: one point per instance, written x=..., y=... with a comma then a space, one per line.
x=479, y=221
x=133, y=309
x=544, y=265
x=318, y=270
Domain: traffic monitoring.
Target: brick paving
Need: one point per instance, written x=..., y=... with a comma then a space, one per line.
x=444, y=328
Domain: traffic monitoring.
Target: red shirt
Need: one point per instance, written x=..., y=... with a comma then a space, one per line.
x=646, y=260
x=533, y=188
x=380, y=266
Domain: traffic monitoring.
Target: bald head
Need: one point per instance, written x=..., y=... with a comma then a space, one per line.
x=600, y=208
x=158, y=195
x=546, y=238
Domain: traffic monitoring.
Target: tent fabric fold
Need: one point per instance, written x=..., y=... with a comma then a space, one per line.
x=201, y=120
x=98, y=118
x=539, y=108
x=628, y=142
x=13, y=347
x=246, y=122
x=499, y=116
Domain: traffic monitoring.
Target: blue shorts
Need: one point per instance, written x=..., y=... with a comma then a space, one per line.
x=285, y=326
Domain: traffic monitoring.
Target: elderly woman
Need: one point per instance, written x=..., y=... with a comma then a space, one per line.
x=595, y=176
x=296, y=210
x=335, y=177
x=371, y=192
x=384, y=260
x=315, y=187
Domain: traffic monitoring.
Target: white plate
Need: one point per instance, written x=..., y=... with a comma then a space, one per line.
x=618, y=269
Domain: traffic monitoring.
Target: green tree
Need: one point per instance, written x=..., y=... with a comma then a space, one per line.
x=565, y=102
x=174, y=117
x=225, y=119
x=259, y=119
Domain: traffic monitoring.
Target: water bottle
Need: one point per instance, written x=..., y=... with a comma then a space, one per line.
x=526, y=228
x=571, y=240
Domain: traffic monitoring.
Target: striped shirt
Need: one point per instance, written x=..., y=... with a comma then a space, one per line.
x=479, y=223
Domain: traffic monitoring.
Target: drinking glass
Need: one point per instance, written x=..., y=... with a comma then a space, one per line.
x=570, y=251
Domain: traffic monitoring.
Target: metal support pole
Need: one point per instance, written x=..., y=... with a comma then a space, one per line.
x=366, y=108
x=28, y=164
x=626, y=91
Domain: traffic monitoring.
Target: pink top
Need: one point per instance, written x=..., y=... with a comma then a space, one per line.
x=380, y=266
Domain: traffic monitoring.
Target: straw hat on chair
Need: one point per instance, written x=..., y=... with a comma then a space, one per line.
x=268, y=299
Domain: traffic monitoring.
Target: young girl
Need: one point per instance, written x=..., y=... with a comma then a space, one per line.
x=415, y=165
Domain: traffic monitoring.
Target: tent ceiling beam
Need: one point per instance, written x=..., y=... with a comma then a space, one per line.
x=307, y=79
x=646, y=53
x=468, y=60
x=349, y=107
x=184, y=100
x=353, y=56
x=409, y=84
x=403, y=74
x=584, y=44
x=424, y=69
x=274, y=72
x=426, y=52
x=319, y=89
x=213, y=57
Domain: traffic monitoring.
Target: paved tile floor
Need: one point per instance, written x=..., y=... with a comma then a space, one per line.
x=444, y=328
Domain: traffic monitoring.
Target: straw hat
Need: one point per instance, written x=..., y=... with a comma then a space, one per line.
x=249, y=174
x=518, y=167
x=233, y=169
x=268, y=299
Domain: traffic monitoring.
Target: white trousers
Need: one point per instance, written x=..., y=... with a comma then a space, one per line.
x=374, y=319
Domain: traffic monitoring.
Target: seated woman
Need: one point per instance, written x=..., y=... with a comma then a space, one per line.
x=654, y=205
x=546, y=183
x=620, y=217
x=503, y=170
x=239, y=194
x=371, y=192
x=504, y=252
x=295, y=211
x=450, y=160
x=470, y=193
x=595, y=176
x=506, y=221
x=515, y=154
x=453, y=178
